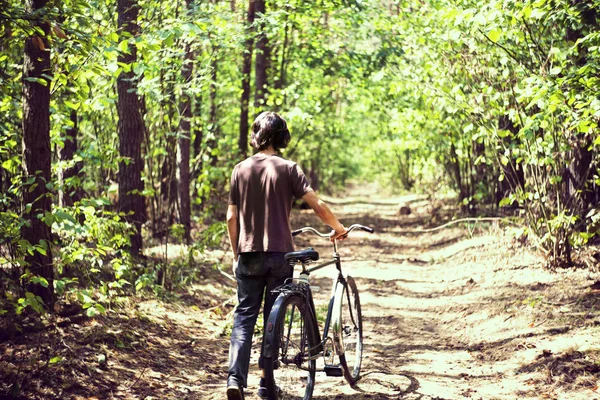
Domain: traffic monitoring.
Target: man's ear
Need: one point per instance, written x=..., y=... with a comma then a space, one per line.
x=254, y=136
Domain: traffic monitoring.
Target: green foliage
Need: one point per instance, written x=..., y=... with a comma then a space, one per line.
x=501, y=97
x=496, y=101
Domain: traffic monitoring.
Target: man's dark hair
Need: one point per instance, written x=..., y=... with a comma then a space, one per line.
x=269, y=128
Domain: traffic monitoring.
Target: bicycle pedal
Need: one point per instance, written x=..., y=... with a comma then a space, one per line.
x=333, y=370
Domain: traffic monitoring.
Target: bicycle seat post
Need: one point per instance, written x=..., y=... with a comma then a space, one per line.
x=303, y=277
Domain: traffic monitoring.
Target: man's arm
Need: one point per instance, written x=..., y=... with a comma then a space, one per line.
x=232, y=229
x=324, y=212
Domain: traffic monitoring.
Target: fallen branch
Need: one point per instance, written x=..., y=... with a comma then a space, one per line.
x=457, y=221
x=229, y=300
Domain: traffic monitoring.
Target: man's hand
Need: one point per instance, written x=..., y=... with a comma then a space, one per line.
x=234, y=266
x=340, y=233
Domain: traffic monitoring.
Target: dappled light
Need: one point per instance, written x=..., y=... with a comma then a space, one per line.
x=156, y=158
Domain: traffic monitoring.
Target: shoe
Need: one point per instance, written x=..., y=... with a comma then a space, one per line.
x=234, y=392
x=262, y=389
x=262, y=392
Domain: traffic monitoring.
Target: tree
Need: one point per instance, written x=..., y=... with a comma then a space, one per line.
x=246, y=68
x=262, y=61
x=183, y=141
x=131, y=127
x=70, y=191
x=214, y=106
x=37, y=155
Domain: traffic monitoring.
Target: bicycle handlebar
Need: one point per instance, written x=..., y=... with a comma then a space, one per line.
x=326, y=235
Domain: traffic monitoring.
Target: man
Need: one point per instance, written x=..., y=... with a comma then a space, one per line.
x=263, y=188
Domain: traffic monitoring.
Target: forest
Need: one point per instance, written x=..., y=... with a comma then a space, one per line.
x=121, y=121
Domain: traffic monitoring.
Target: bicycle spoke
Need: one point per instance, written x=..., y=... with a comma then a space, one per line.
x=294, y=374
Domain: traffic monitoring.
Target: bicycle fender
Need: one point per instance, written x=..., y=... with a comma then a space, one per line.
x=269, y=333
x=336, y=319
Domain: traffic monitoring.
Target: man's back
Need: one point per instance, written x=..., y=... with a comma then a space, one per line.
x=263, y=188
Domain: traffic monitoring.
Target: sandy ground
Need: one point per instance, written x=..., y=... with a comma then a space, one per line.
x=460, y=313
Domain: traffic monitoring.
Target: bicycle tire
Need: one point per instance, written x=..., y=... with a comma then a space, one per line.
x=290, y=376
x=348, y=331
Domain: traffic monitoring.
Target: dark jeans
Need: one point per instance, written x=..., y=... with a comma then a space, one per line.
x=255, y=272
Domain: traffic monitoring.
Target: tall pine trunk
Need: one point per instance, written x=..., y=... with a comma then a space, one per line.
x=70, y=193
x=246, y=68
x=36, y=155
x=131, y=129
x=183, y=142
x=198, y=135
x=281, y=77
x=263, y=55
x=214, y=126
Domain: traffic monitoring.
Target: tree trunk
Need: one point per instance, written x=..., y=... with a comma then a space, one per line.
x=480, y=178
x=183, y=143
x=263, y=55
x=70, y=192
x=280, y=80
x=580, y=189
x=513, y=173
x=198, y=136
x=457, y=174
x=131, y=129
x=214, y=129
x=246, y=68
x=36, y=154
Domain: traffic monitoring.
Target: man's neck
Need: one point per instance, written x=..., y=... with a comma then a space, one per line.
x=268, y=151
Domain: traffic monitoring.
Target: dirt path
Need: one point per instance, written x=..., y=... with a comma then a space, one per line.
x=453, y=314
x=459, y=314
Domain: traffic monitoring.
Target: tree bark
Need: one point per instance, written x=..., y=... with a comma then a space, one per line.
x=198, y=136
x=280, y=80
x=214, y=128
x=70, y=193
x=183, y=142
x=580, y=188
x=263, y=54
x=513, y=173
x=457, y=174
x=36, y=154
x=131, y=129
x=246, y=68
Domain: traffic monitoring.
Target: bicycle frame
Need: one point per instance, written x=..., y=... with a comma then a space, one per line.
x=338, y=283
x=303, y=288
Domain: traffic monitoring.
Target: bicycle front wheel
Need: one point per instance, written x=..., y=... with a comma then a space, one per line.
x=290, y=371
x=348, y=333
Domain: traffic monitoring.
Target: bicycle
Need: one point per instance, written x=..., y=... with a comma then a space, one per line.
x=292, y=341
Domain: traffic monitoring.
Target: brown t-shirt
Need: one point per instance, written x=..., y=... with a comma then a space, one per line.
x=263, y=189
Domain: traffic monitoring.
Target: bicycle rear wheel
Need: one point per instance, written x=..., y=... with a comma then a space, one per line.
x=349, y=335
x=289, y=374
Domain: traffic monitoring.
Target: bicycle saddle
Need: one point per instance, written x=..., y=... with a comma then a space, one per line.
x=303, y=256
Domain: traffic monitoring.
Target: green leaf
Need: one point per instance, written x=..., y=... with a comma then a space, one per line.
x=555, y=71
x=124, y=46
x=494, y=35
x=91, y=312
x=584, y=126
x=55, y=360
x=61, y=216
x=40, y=280
x=71, y=105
